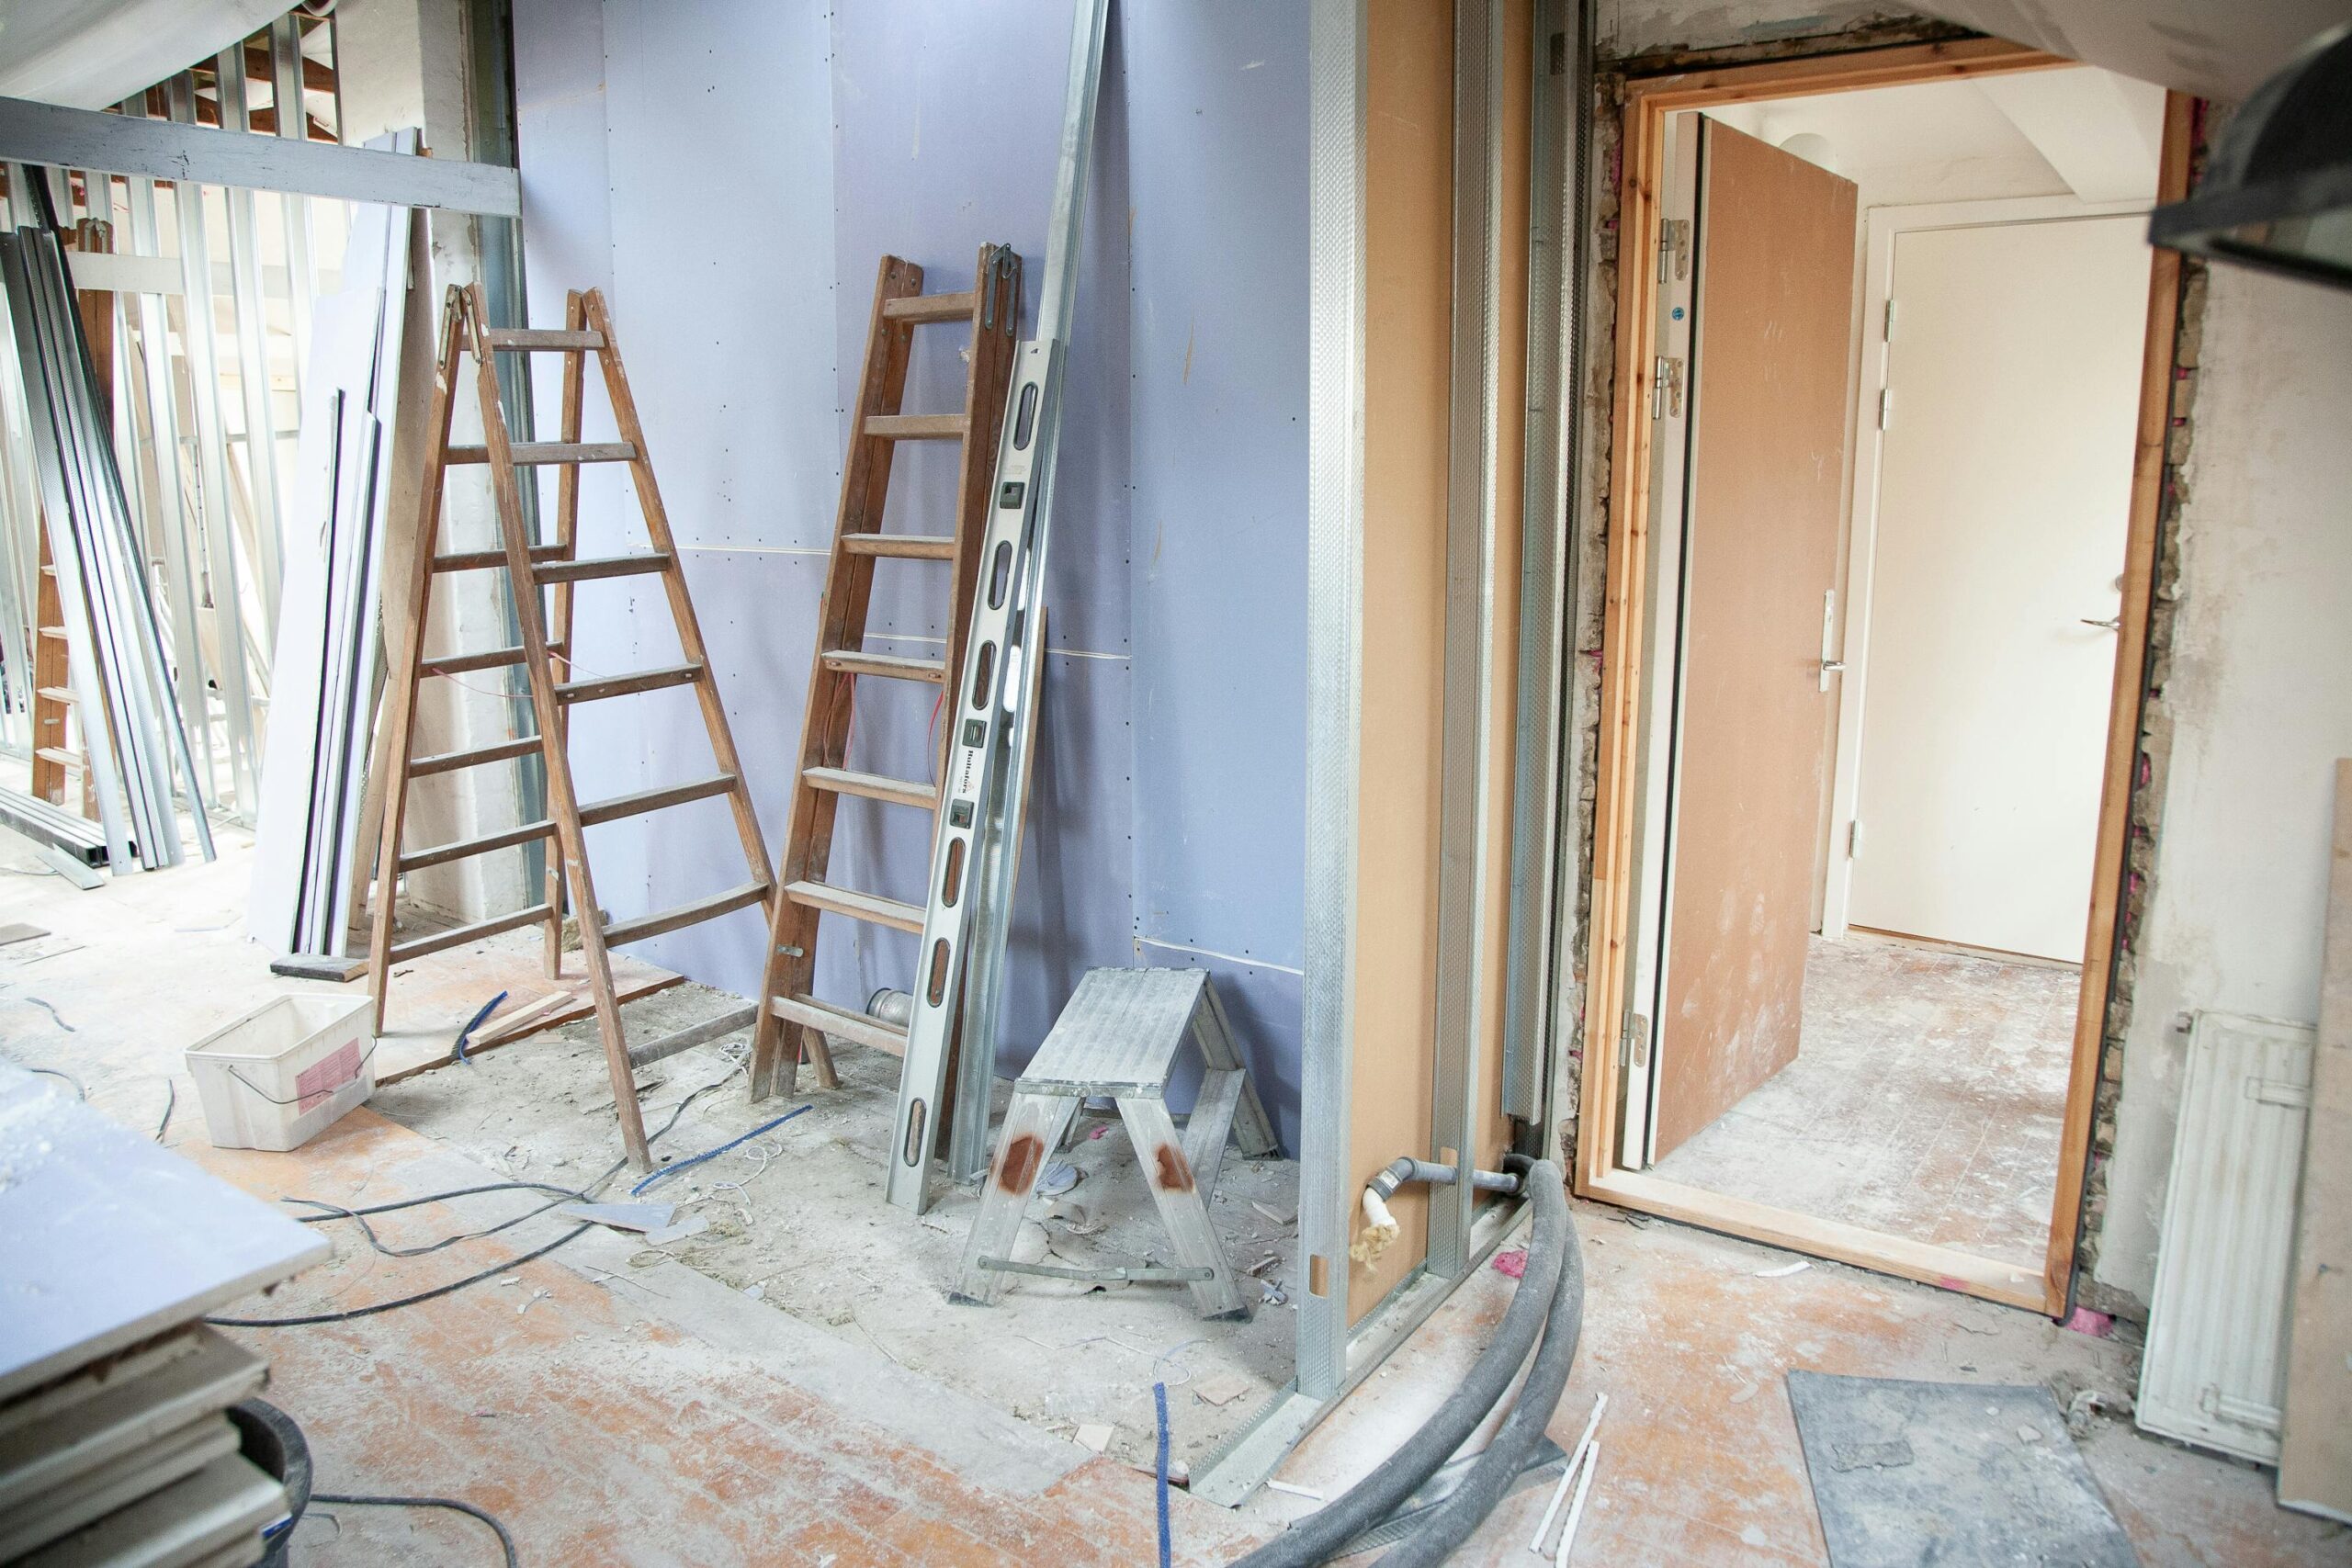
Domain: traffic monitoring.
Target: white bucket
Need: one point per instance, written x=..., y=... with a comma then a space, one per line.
x=282, y=1074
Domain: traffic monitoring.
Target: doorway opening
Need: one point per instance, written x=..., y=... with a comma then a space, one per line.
x=1878, y=589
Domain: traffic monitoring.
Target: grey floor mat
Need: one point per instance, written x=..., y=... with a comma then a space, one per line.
x=1958, y=1475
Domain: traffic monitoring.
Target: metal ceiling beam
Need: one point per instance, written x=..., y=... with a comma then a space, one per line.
x=83, y=138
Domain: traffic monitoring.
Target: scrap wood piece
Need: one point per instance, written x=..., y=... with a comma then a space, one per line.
x=527, y=1013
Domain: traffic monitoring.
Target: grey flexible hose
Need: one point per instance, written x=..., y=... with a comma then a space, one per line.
x=1492, y=1476
x=1322, y=1534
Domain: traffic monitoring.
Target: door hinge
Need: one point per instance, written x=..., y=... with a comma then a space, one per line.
x=1674, y=242
x=1634, y=1043
x=1854, y=838
x=1885, y=406
x=1888, y=333
x=1665, y=388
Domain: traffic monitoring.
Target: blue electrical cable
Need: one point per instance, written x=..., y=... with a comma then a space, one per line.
x=1159, y=1397
x=711, y=1154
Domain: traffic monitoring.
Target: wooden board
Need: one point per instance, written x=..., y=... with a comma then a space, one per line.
x=436, y=994
x=1769, y=404
x=2315, y=1451
x=1408, y=249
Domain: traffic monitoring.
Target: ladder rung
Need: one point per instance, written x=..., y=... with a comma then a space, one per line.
x=530, y=453
x=871, y=907
x=691, y=914
x=600, y=566
x=693, y=1034
x=491, y=658
x=931, y=306
x=647, y=800
x=450, y=761
x=867, y=1031
x=465, y=849
x=461, y=935
x=483, y=561
x=61, y=758
x=916, y=426
x=850, y=661
x=912, y=547
x=874, y=786
x=54, y=694
x=627, y=686
x=526, y=340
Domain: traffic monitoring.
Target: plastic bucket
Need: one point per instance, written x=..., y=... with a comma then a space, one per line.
x=282, y=1074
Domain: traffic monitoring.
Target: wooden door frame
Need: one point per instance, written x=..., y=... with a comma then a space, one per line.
x=1598, y=1175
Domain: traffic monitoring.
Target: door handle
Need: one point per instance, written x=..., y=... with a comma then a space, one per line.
x=2113, y=625
x=1832, y=666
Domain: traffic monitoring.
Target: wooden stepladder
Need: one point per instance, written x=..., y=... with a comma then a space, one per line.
x=991, y=309
x=540, y=573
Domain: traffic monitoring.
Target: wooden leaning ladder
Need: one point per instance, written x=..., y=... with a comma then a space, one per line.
x=991, y=307
x=547, y=658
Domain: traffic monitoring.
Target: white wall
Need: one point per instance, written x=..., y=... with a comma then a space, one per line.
x=2260, y=693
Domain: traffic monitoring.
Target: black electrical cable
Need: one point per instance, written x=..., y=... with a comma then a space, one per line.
x=312, y=1319
x=505, y=1542
x=1325, y=1534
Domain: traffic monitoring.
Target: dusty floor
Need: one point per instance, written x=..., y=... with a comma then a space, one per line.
x=1924, y=1100
x=616, y=1408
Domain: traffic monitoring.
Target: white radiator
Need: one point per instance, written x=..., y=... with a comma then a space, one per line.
x=2215, y=1370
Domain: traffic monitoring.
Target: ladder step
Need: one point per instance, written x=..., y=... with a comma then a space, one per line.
x=916, y=426
x=627, y=686
x=849, y=661
x=62, y=758
x=466, y=849
x=691, y=914
x=647, y=800
x=54, y=694
x=603, y=566
x=526, y=340
x=693, y=1034
x=909, y=547
x=458, y=936
x=530, y=453
x=874, y=786
x=483, y=561
x=490, y=659
x=450, y=761
x=871, y=907
x=921, y=308
x=871, y=1033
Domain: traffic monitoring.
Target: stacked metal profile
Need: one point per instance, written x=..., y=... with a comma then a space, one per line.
x=133, y=1458
x=121, y=680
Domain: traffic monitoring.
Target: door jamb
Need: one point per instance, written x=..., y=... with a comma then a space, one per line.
x=1597, y=1173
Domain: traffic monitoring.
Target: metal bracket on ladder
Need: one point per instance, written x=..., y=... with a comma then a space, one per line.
x=967, y=901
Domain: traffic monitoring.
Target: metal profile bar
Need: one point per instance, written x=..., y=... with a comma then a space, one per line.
x=218, y=582
x=1543, y=573
x=81, y=139
x=293, y=115
x=964, y=936
x=252, y=317
x=1465, y=786
x=1337, y=67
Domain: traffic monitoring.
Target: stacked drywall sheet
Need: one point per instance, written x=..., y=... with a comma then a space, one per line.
x=129, y=726
x=113, y=1444
x=307, y=854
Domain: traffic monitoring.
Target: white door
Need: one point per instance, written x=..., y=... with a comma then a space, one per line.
x=2004, y=482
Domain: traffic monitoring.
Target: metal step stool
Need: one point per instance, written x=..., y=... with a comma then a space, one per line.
x=1119, y=1036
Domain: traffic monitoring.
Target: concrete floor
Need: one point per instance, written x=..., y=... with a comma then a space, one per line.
x=1924, y=1100
x=616, y=1408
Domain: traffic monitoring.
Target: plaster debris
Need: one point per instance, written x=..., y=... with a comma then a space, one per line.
x=1277, y=1216
x=1784, y=1270
x=1221, y=1389
x=1095, y=1435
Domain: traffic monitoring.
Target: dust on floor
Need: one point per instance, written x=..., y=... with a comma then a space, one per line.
x=1925, y=1101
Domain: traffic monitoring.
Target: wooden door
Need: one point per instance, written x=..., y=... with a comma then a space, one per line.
x=1769, y=387
x=2005, y=496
